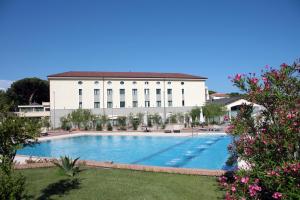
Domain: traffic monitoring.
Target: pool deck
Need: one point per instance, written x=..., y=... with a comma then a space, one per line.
x=21, y=159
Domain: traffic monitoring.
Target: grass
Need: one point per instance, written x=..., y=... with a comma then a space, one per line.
x=97, y=183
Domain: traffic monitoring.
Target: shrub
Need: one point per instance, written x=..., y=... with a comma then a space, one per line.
x=122, y=122
x=149, y=121
x=269, y=143
x=12, y=185
x=109, y=127
x=68, y=166
x=135, y=124
x=99, y=127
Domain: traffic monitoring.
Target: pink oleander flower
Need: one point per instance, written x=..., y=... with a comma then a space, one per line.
x=229, y=128
x=277, y=195
x=283, y=65
x=254, y=80
x=265, y=79
x=253, y=189
x=226, y=118
x=245, y=180
x=238, y=77
x=265, y=142
x=233, y=189
x=290, y=116
x=227, y=196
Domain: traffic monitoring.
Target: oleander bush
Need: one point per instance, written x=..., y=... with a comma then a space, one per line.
x=269, y=142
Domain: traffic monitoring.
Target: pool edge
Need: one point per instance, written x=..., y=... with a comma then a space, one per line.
x=146, y=168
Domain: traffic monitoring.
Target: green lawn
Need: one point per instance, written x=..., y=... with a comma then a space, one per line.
x=113, y=184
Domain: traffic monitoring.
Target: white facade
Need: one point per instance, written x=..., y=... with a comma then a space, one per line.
x=141, y=95
x=33, y=111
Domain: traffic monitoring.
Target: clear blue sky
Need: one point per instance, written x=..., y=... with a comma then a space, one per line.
x=211, y=38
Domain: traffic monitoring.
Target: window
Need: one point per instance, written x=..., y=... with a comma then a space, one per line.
x=109, y=104
x=134, y=82
x=79, y=82
x=182, y=102
x=96, y=104
x=157, y=82
x=147, y=91
x=146, y=83
x=122, y=91
x=169, y=91
x=147, y=104
x=80, y=92
x=182, y=83
x=108, y=82
x=96, y=92
x=134, y=104
x=158, y=103
x=122, y=82
x=134, y=91
x=122, y=104
x=170, y=103
x=96, y=82
x=109, y=92
x=158, y=91
x=182, y=91
x=169, y=82
x=80, y=105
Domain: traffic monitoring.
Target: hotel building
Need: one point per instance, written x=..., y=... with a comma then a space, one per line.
x=122, y=93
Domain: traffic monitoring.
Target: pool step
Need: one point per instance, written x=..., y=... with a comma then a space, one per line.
x=189, y=154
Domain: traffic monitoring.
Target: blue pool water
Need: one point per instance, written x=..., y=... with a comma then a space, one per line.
x=206, y=152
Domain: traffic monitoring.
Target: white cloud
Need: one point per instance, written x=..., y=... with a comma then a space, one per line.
x=4, y=84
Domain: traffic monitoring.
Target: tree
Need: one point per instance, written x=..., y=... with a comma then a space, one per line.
x=269, y=143
x=65, y=123
x=134, y=121
x=213, y=110
x=172, y=119
x=187, y=119
x=5, y=104
x=28, y=91
x=157, y=120
x=180, y=117
x=15, y=133
x=211, y=92
x=81, y=118
x=195, y=114
x=140, y=117
x=235, y=94
x=104, y=119
x=122, y=122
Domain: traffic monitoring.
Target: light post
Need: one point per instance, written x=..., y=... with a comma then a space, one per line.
x=53, y=110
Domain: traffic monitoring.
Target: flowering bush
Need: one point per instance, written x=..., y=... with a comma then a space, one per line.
x=269, y=142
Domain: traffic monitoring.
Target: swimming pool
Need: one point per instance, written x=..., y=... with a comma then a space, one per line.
x=205, y=152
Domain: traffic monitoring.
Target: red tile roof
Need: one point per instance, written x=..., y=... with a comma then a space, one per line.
x=125, y=75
